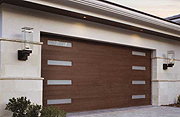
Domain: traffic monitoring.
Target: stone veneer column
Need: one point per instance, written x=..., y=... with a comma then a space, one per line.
x=165, y=83
x=19, y=78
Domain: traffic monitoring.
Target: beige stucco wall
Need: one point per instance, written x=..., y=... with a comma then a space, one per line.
x=165, y=88
x=32, y=89
x=19, y=78
x=12, y=67
x=0, y=22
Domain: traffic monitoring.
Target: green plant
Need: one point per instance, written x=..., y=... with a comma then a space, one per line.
x=33, y=111
x=52, y=112
x=21, y=107
x=18, y=106
x=178, y=100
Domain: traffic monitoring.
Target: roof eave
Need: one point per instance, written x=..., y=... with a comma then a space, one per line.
x=173, y=17
x=118, y=5
x=90, y=18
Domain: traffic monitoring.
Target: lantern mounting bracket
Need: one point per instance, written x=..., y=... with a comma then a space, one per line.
x=23, y=54
x=165, y=66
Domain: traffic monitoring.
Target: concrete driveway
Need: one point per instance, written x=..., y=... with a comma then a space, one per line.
x=143, y=111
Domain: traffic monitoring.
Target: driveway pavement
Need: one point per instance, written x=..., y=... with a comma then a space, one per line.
x=142, y=111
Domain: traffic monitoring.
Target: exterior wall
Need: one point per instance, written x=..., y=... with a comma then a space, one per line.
x=0, y=22
x=165, y=84
x=16, y=88
x=19, y=78
x=0, y=32
x=11, y=65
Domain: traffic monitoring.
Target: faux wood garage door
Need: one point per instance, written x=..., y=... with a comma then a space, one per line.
x=86, y=75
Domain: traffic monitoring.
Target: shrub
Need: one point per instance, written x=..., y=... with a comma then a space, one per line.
x=33, y=111
x=18, y=106
x=52, y=112
x=21, y=107
x=178, y=100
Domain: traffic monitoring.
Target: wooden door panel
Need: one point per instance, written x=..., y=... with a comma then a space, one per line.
x=101, y=75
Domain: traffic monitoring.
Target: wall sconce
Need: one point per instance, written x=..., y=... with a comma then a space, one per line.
x=27, y=45
x=170, y=60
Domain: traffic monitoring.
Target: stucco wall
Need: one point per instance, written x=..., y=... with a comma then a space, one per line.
x=14, y=18
x=19, y=78
x=0, y=22
x=32, y=89
x=11, y=65
x=0, y=34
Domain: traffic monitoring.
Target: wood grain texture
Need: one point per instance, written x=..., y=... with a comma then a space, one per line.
x=101, y=74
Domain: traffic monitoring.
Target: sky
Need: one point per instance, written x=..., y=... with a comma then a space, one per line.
x=160, y=8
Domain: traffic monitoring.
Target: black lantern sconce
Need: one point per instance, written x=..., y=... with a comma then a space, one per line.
x=27, y=44
x=170, y=60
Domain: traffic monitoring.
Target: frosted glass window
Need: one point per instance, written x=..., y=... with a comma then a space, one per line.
x=138, y=68
x=138, y=96
x=59, y=43
x=138, y=82
x=59, y=82
x=138, y=53
x=59, y=101
x=61, y=63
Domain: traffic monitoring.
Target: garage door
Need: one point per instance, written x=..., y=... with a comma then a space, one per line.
x=85, y=75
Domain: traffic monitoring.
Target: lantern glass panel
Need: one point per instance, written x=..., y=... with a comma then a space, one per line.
x=27, y=34
x=171, y=57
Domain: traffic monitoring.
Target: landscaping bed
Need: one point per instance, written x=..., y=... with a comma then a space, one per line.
x=176, y=104
x=173, y=105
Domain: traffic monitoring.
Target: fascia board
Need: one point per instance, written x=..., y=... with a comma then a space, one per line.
x=126, y=13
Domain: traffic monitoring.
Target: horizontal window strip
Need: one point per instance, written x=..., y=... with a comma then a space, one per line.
x=59, y=101
x=138, y=96
x=138, y=68
x=138, y=82
x=138, y=53
x=59, y=82
x=62, y=63
x=59, y=43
